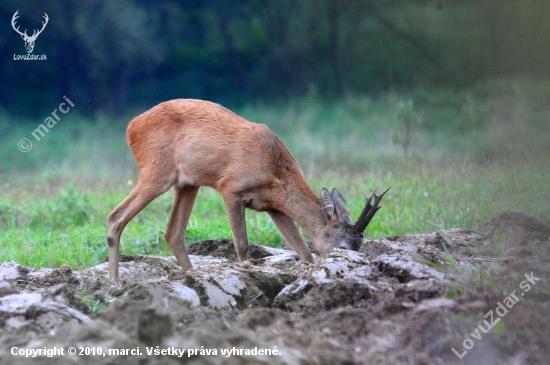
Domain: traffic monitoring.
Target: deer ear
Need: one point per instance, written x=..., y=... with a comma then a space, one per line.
x=341, y=206
x=327, y=204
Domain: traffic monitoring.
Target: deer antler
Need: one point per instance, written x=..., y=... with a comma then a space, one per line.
x=13, y=19
x=369, y=211
x=24, y=34
x=34, y=34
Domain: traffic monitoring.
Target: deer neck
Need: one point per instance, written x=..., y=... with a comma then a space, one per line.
x=302, y=206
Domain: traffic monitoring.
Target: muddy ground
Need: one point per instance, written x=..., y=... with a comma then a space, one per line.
x=445, y=297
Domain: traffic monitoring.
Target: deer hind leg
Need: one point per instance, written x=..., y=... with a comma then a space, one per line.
x=175, y=232
x=235, y=208
x=146, y=190
x=290, y=233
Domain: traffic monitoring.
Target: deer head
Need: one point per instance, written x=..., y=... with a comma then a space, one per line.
x=340, y=230
x=29, y=41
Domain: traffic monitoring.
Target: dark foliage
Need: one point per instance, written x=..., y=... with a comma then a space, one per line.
x=112, y=57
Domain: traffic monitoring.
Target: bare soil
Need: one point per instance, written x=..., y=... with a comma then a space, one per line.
x=400, y=300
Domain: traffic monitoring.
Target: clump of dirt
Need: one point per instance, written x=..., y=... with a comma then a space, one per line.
x=517, y=235
x=7, y=290
x=400, y=300
x=514, y=229
x=225, y=248
x=62, y=275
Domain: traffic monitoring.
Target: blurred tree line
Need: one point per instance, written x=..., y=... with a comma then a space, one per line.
x=109, y=56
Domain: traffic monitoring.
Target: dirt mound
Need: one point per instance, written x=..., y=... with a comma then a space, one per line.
x=225, y=248
x=400, y=300
x=513, y=229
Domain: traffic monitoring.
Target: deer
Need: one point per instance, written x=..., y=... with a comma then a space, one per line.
x=187, y=144
x=29, y=41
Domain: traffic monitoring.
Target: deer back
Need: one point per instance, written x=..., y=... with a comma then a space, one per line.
x=201, y=143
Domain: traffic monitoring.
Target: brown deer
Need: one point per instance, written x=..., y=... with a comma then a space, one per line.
x=187, y=144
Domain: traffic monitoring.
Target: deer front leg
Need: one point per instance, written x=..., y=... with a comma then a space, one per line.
x=290, y=233
x=184, y=198
x=235, y=208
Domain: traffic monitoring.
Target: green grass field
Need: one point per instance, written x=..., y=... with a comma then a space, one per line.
x=470, y=154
